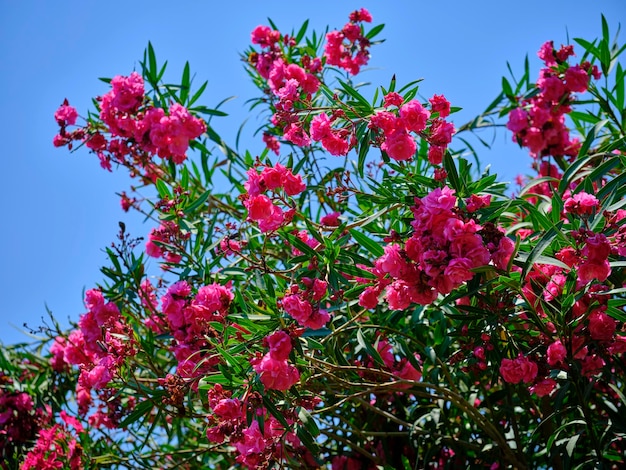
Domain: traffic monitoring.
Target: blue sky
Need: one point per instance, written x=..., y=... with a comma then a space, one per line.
x=60, y=210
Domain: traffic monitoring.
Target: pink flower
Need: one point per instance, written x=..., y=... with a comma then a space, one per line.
x=100, y=375
x=276, y=374
x=385, y=121
x=439, y=104
x=436, y=154
x=320, y=127
x=66, y=115
x=546, y=53
x=393, y=262
x=517, y=370
x=398, y=295
x=518, y=120
x=361, y=15
x=253, y=443
x=317, y=320
x=335, y=144
x=255, y=184
x=576, y=79
x=414, y=116
x=128, y=92
x=259, y=207
x=293, y=184
x=543, y=388
x=369, y=297
x=331, y=220
x=502, y=256
x=393, y=99
x=212, y=299
x=399, y=145
x=441, y=132
x=458, y=271
x=297, y=308
x=592, y=365
x=476, y=202
x=273, y=176
x=439, y=199
x=280, y=345
x=273, y=221
x=556, y=353
x=590, y=270
x=228, y=408
x=581, y=203
x=601, y=326
x=264, y=36
x=408, y=372
x=295, y=134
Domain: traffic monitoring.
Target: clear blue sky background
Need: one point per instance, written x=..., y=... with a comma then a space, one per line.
x=60, y=210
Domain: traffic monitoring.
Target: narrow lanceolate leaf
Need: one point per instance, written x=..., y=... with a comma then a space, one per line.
x=542, y=244
x=309, y=422
x=163, y=189
x=366, y=242
x=371, y=350
x=198, y=202
x=185, y=84
x=453, y=176
x=595, y=130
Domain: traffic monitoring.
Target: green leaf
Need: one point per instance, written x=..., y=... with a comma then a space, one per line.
x=302, y=31
x=152, y=64
x=357, y=96
x=140, y=410
x=198, y=202
x=300, y=245
x=185, y=84
x=506, y=88
x=584, y=148
x=374, y=354
x=274, y=412
x=354, y=271
x=374, y=31
x=198, y=93
x=453, y=176
x=163, y=189
x=309, y=422
x=366, y=242
x=364, y=147
x=208, y=381
x=540, y=246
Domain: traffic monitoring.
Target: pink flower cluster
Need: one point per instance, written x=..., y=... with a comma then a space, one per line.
x=138, y=130
x=263, y=209
x=56, y=447
x=581, y=203
x=335, y=141
x=256, y=446
x=188, y=318
x=19, y=420
x=349, y=48
x=304, y=305
x=595, y=337
x=99, y=347
x=520, y=369
x=539, y=123
x=445, y=246
x=155, y=132
x=289, y=84
x=411, y=117
x=274, y=371
x=162, y=239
